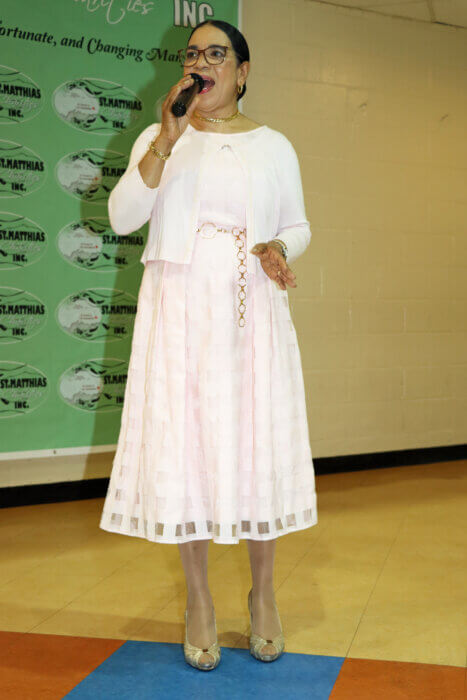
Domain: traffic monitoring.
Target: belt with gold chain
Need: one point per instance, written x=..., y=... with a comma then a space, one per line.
x=209, y=230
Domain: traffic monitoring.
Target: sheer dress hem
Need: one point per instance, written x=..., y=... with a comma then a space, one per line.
x=203, y=530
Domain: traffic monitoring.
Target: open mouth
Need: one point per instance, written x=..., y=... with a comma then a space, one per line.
x=208, y=84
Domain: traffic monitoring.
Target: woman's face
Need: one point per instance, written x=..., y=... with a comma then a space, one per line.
x=222, y=97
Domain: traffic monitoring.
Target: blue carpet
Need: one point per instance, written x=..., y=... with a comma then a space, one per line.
x=152, y=670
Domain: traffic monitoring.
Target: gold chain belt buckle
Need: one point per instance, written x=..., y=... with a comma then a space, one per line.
x=207, y=230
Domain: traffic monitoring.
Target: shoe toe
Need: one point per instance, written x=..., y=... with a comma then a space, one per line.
x=209, y=662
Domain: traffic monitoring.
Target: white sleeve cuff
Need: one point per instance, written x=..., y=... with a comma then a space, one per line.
x=297, y=239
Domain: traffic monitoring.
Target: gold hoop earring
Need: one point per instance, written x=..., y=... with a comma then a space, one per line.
x=239, y=88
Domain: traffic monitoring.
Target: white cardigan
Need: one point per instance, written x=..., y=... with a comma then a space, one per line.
x=275, y=207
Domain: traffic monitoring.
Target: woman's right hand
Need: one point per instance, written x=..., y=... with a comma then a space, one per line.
x=172, y=127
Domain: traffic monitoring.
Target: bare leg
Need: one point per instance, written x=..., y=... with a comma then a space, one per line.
x=266, y=619
x=200, y=630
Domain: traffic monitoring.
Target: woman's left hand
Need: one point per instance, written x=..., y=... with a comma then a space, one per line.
x=273, y=263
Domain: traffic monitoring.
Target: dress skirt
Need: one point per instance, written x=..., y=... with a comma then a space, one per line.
x=214, y=439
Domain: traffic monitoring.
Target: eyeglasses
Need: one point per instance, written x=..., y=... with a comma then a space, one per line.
x=213, y=55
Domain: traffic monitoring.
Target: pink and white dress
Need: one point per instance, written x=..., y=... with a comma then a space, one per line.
x=214, y=440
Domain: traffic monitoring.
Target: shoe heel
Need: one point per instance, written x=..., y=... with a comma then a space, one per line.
x=192, y=654
x=257, y=642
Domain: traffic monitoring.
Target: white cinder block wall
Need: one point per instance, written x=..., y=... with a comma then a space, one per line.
x=376, y=108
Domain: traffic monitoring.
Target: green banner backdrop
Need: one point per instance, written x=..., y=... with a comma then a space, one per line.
x=79, y=79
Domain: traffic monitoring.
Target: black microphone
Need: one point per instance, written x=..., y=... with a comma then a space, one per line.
x=184, y=99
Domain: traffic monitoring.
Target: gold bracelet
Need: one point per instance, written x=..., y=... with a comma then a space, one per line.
x=158, y=153
x=282, y=246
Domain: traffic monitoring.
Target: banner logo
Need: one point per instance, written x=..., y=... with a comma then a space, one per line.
x=97, y=106
x=98, y=314
x=91, y=174
x=22, y=241
x=20, y=97
x=95, y=385
x=21, y=170
x=22, y=388
x=22, y=315
x=90, y=244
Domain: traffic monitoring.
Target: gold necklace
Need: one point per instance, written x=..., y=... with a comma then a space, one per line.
x=216, y=119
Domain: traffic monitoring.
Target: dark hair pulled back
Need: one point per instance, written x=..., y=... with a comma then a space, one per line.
x=238, y=41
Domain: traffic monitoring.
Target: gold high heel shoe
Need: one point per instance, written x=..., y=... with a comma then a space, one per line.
x=257, y=642
x=192, y=653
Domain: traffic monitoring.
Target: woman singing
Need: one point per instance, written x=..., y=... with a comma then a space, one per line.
x=214, y=441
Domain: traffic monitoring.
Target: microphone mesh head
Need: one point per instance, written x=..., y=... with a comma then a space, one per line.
x=198, y=79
